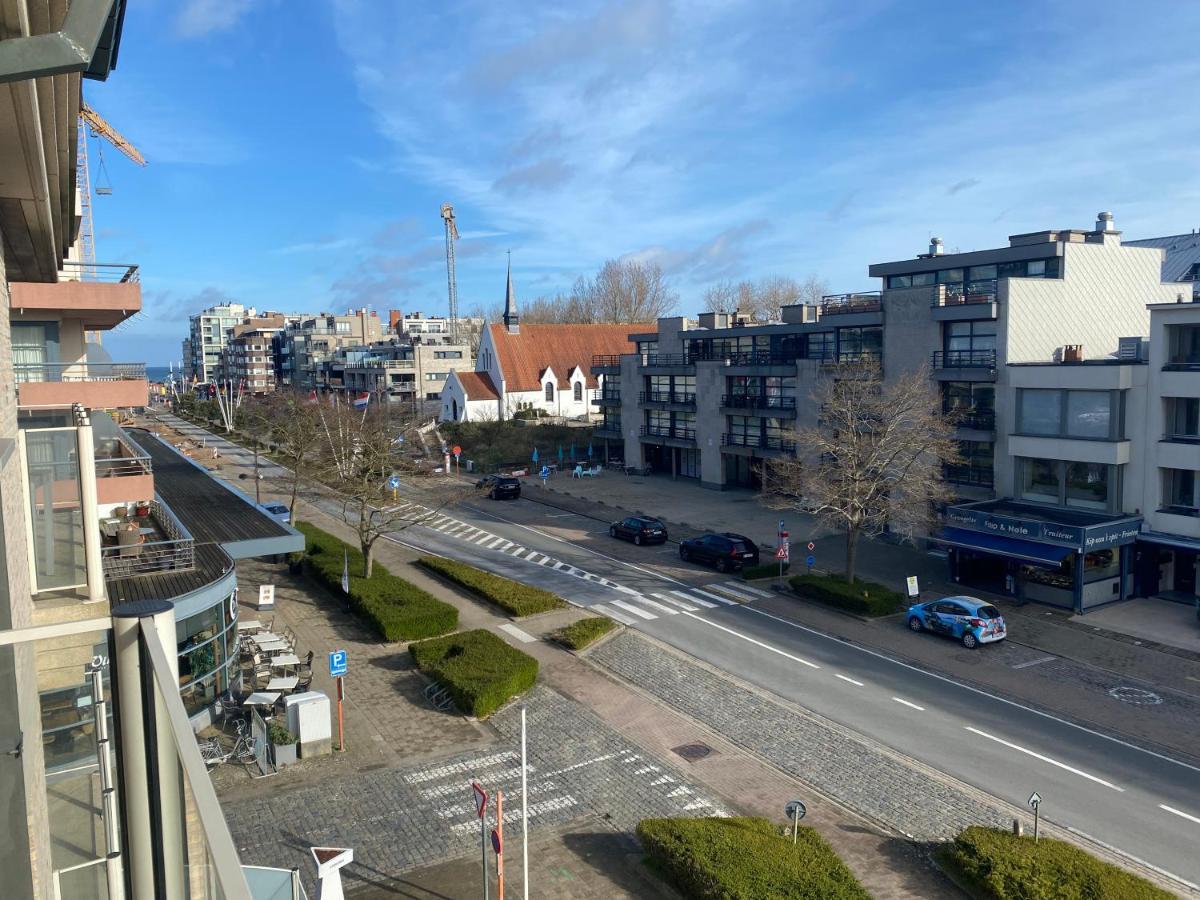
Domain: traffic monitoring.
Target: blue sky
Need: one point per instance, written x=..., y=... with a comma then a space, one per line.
x=299, y=151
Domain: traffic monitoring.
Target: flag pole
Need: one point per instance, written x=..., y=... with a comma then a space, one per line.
x=524, y=811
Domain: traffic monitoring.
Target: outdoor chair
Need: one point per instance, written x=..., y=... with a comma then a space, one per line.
x=304, y=683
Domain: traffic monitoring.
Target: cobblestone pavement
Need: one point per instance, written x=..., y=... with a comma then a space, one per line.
x=867, y=778
x=399, y=819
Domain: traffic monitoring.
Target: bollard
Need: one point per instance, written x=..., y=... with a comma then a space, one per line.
x=1017, y=829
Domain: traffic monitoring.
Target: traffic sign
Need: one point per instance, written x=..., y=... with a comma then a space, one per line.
x=481, y=798
x=810, y=561
x=914, y=589
x=496, y=841
x=781, y=525
x=795, y=810
x=1034, y=800
x=782, y=553
x=394, y=482
x=545, y=473
x=339, y=663
x=811, y=546
x=457, y=450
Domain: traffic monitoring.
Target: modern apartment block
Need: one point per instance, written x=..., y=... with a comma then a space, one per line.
x=209, y=333
x=306, y=343
x=710, y=400
x=248, y=359
x=409, y=371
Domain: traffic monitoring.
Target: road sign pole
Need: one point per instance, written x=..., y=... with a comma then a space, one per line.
x=341, y=693
x=524, y=812
x=500, y=852
x=1036, y=816
x=795, y=827
x=483, y=852
x=1035, y=801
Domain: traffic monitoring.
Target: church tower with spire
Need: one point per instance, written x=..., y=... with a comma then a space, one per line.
x=512, y=322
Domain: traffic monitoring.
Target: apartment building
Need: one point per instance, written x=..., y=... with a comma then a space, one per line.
x=711, y=399
x=209, y=333
x=402, y=323
x=410, y=371
x=306, y=343
x=248, y=360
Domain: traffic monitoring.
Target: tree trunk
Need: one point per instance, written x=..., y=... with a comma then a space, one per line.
x=368, y=552
x=295, y=494
x=851, y=553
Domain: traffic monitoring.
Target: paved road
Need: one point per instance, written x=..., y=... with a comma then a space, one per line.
x=1145, y=804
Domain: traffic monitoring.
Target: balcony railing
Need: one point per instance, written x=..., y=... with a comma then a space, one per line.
x=104, y=273
x=854, y=358
x=665, y=359
x=761, y=358
x=170, y=548
x=759, y=442
x=754, y=401
x=976, y=476
x=965, y=295
x=980, y=420
x=964, y=359
x=79, y=371
x=679, y=397
x=606, y=361
x=1182, y=363
x=842, y=304
x=678, y=434
x=608, y=428
x=607, y=398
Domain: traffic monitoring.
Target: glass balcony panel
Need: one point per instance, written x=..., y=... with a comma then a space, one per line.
x=55, y=507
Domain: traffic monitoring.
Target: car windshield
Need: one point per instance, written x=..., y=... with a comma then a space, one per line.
x=277, y=508
x=739, y=546
x=650, y=523
x=988, y=612
x=508, y=482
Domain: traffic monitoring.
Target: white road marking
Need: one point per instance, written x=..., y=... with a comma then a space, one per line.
x=1035, y=662
x=504, y=545
x=851, y=680
x=686, y=596
x=722, y=600
x=544, y=560
x=473, y=764
x=486, y=536
x=629, y=607
x=760, y=593
x=644, y=769
x=664, y=609
x=561, y=565
x=496, y=542
x=803, y=662
x=903, y=702
x=680, y=792
x=561, y=515
x=611, y=613
x=1179, y=813
x=535, y=809
x=675, y=602
x=522, y=636
x=664, y=779
x=1045, y=759
x=731, y=591
x=441, y=526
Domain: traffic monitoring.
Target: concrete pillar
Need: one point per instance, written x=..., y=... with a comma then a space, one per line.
x=1125, y=551
x=131, y=717
x=170, y=779
x=1079, y=582
x=86, y=455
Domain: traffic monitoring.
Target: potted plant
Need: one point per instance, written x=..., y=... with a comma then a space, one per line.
x=283, y=745
x=142, y=508
x=295, y=561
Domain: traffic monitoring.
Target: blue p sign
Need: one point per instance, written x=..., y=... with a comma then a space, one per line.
x=339, y=663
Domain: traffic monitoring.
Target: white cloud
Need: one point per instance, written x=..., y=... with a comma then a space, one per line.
x=318, y=246
x=200, y=18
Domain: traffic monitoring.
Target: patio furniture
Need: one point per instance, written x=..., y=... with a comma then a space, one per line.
x=285, y=660
x=282, y=683
x=304, y=681
x=637, y=470
x=261, y=698
x=249, y=625
x=274, y=647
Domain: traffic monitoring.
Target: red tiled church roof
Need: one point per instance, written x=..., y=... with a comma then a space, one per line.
x=478, y=385
x=526, y=355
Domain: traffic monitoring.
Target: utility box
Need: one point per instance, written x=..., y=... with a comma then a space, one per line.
x=308, y=718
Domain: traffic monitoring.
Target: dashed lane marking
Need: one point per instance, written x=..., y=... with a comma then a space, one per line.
x=1045, y=759
x=908, y=703
x=1035, y=662
x=1179, y=813
x=849, y=679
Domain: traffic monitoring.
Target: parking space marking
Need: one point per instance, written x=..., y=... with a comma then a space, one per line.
x=1035, y=662
x=1045, y=759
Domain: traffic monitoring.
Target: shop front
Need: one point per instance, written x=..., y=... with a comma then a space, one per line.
x=1065, y=558
x=1167, y=566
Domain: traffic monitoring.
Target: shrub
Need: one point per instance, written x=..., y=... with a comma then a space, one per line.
x=862, y=597
x=998, y=865
x=580, y=634
x=277, y=734
x=511, y=596
x=763, y=570
x=480, y=671
x=744, y=858
x=397, y=609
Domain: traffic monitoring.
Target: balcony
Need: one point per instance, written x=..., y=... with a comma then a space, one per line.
x=667, y=398
x=974, y=300
x=608, y=429
x=106, y=385
x=973, y=476
x=124, y=473
x=862, y=358
x=606, y=364
x=964, y=365
x=101, y=295
x=754, y=404
x=664, y=360
x=757, y=358
x=607, y=398
x=975, y=420
x=850, y=304
x=656, y=434
x=146, y=545
x=769, y=443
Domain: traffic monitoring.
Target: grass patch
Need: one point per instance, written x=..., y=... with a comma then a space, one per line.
x=726, y=858
x=997, y=865
x=587, y=631
x=863, y=597
x=763, y=570
x=504, y=444
x=480, y=671
x=397, y=609
x=513, y=597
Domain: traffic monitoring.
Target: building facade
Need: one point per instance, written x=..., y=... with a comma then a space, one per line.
x=306, y=343
x=209, y=332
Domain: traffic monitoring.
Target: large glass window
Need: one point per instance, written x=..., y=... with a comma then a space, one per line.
x=56, y=507
x=1040, y=480
x=1179, y=491
x=1089, y=414
x=974, y=335
x=1063, y=483
x=1075, y=414
x=1087, y=485
x=1183, y=418
x=921, y=279
x=1183, y=345
x=1040, y=412
x=821, y=345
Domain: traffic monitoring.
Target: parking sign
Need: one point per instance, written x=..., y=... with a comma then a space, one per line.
x=339, y=663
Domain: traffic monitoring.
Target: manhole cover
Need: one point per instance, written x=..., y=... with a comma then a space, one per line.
x=1136, y=696
x=693, y=752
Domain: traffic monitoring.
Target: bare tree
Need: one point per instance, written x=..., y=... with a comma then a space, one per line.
x=359, y=454
x=762, y=299
x=811, y=290
x=873, y=459
x=622, y=291
x=294, y=429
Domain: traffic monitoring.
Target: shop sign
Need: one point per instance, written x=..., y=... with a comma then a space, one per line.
x=1091, y=537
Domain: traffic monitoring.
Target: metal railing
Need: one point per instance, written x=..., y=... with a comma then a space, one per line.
x=608, y=428
x=121, y=466
x=759, y=442
x=760, y=358
x=665, y=359
x=842, y=304
x=1182, y=363
x=607, y=398
x=977, y=476
x=678, y=434
x=79, y=371
x=959, y=294
x=755, y=401
x=102, y=273
x=980, y=420
x=854, y=357
x=606, y=361
x=667, y=397
x=176, y=551
x=964, y=359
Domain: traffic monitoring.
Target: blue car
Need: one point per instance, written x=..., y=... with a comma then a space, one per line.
x=965, y=619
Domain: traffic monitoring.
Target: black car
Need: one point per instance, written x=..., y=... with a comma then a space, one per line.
x=640, y=530
x=500, y=487
x=727, y=551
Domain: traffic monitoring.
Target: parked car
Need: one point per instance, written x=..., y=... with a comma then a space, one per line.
x=727, y=551
x=279, y=512
x=640, y=530
x=500, y=487
x=965, y=619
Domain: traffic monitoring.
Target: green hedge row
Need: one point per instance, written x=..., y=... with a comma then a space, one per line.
x=514, y=598
x=397, y=609
x=998, y=865
x=580, y=634
x=480, y=671
x=726, y=858
x=862, y=597
x=763, y=570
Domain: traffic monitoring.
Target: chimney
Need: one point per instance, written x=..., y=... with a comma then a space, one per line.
x=936, y=247
x=1104, y=222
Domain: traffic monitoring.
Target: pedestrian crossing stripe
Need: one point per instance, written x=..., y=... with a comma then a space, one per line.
x=723, y=600
x=612, y=614
x=637, y=611
x=692, y=599
x=686, y=607
x=756, y=591
x=732, y=591
x=666, y=609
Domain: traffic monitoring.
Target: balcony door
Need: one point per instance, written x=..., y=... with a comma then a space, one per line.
x=35, y=351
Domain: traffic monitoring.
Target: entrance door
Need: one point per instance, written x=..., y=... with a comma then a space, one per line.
x=1185, y=571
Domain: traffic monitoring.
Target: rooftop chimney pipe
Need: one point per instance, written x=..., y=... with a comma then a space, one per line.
x=936, y=247
x=1104, y=222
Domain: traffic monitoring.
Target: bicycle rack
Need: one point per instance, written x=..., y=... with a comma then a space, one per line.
x=438, y=697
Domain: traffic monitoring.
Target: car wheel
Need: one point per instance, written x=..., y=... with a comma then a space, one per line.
x=491, y=495
x=637, y=539
x=722, y=566
x=915, y=626
x=612, y=531
x=969, y=640
x=685, y=554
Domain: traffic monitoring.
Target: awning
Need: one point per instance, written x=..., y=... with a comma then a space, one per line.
x=1030, y=551
x=1178, y=541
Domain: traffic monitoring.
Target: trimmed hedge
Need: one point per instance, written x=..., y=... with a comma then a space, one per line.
x=863, y=597
x=998, y=865
x=763, y=570
x=580, y=634
x=727, y=858
x=397, y=609
x=480, y=671
x=513, y=597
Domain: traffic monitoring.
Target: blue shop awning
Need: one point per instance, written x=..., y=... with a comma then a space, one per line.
x=1178, y=541
x=1030, y=551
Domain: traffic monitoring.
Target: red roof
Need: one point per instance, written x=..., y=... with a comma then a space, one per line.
x=478, y=385
x=526, y=355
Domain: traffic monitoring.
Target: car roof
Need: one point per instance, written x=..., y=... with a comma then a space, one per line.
x=646, y=518
x=973, y=602
x=275, y=507
x=734, y=536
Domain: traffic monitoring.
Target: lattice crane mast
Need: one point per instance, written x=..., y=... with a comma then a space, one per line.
x=451, y=278
x=90, y=120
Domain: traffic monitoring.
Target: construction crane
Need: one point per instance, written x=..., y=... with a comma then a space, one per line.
x=451, y=279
